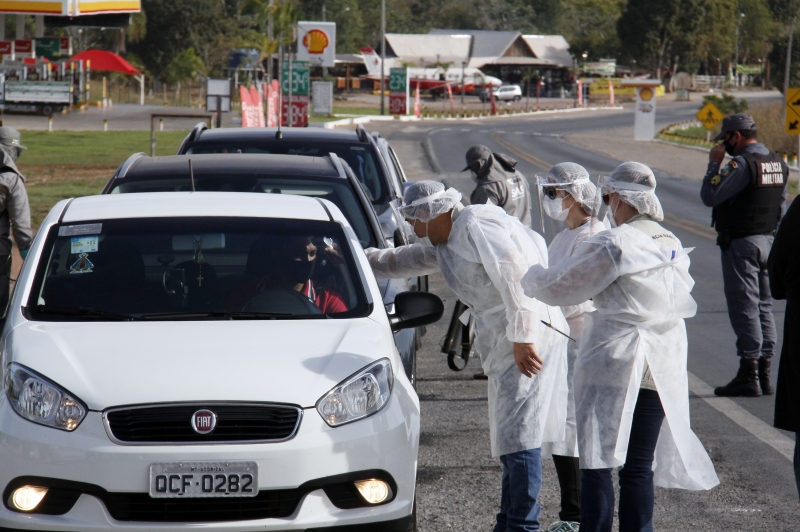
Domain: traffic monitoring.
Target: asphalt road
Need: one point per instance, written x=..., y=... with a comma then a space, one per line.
x=459, y=481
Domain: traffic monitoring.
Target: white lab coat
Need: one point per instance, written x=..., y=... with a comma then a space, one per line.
x=483, y=261
x=642, y=295
x=560, y=250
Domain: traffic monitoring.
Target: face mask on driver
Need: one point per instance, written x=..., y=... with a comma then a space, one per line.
x=298, y=271
x=553, y=208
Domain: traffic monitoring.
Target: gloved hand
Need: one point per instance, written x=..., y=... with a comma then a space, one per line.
x=24, y=253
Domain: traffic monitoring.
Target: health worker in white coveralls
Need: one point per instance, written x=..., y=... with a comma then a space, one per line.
x=569, y=196
x=483, y=253
x=631, y=382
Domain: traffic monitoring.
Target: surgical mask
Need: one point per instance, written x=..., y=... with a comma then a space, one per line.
x=611, y=218
x=728, y=147
x=553, y=208
x=298, y=271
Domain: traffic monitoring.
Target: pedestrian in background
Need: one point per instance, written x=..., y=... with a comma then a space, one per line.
x=499, y=183
x=784, y=281
x=630, y=375
x=747, y=197
x=15, y=213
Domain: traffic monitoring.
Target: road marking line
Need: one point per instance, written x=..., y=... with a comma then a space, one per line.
x=758, y=428
x=519, y=153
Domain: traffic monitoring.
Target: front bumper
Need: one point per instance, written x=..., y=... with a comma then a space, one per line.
x=386, y=442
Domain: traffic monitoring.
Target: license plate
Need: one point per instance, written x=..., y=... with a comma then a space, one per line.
x=203, y=479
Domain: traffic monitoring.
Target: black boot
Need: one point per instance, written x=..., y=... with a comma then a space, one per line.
x=745, y=383
x=763, y=376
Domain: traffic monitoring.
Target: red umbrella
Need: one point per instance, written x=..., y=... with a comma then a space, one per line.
x=106, y=61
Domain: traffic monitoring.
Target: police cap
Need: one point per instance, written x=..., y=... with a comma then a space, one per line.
x=739, y=122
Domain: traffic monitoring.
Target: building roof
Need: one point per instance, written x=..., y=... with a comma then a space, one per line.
x=426, y=50
x=496, y=47
x=552, y=48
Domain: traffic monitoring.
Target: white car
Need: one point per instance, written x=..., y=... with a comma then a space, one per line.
x=217, y=361
x=504, y=93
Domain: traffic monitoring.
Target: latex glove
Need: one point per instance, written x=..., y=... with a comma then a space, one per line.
x=527, y=359
x=24, y=253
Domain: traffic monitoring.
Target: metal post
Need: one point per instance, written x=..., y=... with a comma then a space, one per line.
x=269, y=38
x=463, y=82
x=20, y=26
x=383, y=55
x=291, y=79
x=219, y=112
x=787, y=70
x=2, y=27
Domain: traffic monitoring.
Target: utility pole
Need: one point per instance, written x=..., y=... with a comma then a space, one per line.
x=787, y=70
x=383, y=56
x=736, y=61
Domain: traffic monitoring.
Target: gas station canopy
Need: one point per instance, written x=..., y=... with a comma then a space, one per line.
x=69, y=8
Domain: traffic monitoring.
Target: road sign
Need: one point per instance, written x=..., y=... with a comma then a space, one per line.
x=793, y=111
x=709, y=115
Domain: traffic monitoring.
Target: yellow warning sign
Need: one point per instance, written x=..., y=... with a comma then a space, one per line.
x=709, y=115
x=793, y=111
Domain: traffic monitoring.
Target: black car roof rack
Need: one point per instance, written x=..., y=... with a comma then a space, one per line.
x=338, y=164
x=127, y=165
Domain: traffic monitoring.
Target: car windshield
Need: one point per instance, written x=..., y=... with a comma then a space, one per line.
x=360, y=157
x=337, y=191
x=196, y=268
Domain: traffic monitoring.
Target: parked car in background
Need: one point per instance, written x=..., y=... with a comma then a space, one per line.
x=166, y=367
x=504, y=93
x=325, y=177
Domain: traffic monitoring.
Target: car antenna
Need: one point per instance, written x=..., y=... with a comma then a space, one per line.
x=279, y=133
x=191, y=174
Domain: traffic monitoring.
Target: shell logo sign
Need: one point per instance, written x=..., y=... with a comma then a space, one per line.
x=316, y=41
x=646, y=94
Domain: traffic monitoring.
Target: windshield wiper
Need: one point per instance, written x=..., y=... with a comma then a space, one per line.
x=84, y=312
x=233, y=315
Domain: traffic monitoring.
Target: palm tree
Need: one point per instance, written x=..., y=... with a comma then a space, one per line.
x=186, y=66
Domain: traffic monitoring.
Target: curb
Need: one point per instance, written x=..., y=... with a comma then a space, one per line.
x=411, y=118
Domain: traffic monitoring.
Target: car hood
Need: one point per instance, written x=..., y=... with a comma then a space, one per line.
x=107, y=364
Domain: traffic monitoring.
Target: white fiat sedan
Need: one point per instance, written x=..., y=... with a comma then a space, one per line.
x=215, y=361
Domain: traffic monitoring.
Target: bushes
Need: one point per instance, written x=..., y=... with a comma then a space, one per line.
x=771, y=128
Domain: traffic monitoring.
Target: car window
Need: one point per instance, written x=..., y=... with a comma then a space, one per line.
x=360, y=157
x=337, y=191
x=204, y=267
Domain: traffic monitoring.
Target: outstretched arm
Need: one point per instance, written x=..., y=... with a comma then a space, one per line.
x=402, y=262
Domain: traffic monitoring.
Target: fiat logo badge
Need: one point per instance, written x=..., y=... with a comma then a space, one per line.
x=204, y=421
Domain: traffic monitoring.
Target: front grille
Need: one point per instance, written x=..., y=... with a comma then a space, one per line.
x=141, y=507
x=172, y=423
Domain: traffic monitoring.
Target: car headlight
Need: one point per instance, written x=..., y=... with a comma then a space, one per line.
x=359, y=395
x=41, y=401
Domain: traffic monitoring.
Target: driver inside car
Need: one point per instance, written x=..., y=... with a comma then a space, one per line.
x=286, y=263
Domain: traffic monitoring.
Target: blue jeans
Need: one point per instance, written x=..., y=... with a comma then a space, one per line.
x=519, y=503
x=636, y=492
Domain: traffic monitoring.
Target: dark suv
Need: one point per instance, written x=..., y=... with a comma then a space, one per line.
x=325, y=177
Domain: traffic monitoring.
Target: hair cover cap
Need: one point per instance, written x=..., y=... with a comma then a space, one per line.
x=426, y=200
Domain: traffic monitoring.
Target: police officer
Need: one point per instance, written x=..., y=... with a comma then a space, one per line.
x=15, y=213
x=747, y=196
x=499, y=183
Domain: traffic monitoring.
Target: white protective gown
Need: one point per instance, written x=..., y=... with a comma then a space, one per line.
x=483, y=261
x=560, y=249
x=642, y=296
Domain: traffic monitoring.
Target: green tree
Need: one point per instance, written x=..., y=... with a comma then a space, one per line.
x=186, y=66
x=174, y=26
x=726, y=103
x=714, y=41
x=650, y=29
x=590, y=26
x=757, y=30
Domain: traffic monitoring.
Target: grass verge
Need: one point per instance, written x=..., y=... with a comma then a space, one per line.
x=67, y=164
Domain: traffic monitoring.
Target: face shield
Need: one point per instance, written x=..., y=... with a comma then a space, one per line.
x=403, y=227
x=638, y=195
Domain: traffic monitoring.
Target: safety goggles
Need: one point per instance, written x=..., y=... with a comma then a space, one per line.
x=552, y=192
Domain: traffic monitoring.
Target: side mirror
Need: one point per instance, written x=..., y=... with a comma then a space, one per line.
x=415, y=309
